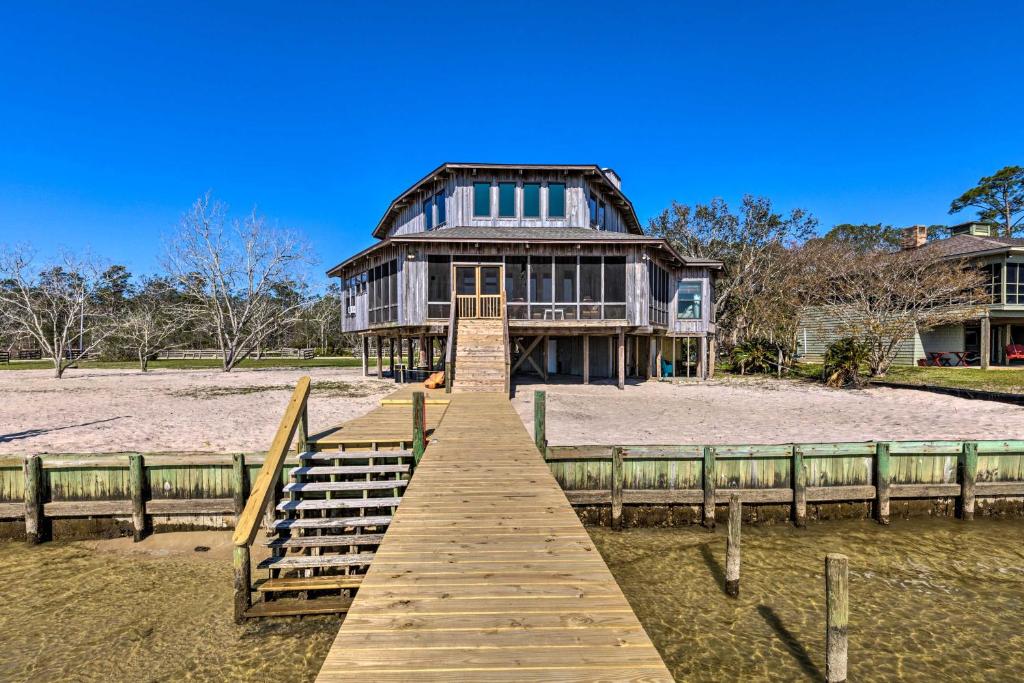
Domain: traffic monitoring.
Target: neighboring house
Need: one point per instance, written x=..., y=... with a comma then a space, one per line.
x=528, y=268
x=1003, y=324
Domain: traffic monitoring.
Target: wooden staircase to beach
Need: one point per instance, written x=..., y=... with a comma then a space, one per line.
x=323, y=518
x=481, y=355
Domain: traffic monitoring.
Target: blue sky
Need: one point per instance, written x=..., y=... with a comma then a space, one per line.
x=115, y=117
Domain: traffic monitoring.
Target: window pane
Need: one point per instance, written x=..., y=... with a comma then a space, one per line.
x=590, y=279
x=531, y=200
x=482, y=199
x=428, y=214
x=592, y=207
x=614, y=279
x=540, y=278
x=442, y=216
x=689, y=307
x=565, y=278
x=439, y=274
x=489, y=280
x=556, y=200
x=465, y=280
x=601, y=216
x=515, y=279
x=506, y=199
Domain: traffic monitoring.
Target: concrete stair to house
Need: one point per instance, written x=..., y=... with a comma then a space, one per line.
x=480, y=355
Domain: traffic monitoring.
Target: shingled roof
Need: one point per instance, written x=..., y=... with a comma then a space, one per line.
x=968, y=245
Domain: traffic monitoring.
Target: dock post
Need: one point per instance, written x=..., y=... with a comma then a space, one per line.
x=540, y=435
x=709, y=487
x=616, y=487
x=968, y=477
x=302, y=431
x=137, y=486
x=419, y=425
x=882, y=483
x=732, y=547
x=239, y=482
x=837, y=609
x=36, y=530
x=799, y=477
x=242, y=582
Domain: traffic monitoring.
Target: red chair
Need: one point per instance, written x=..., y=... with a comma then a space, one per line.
x=1014, y=352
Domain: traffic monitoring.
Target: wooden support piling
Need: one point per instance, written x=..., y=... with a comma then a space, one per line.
x=799, y=478
x=968, y=478
x=137, y=486
x=732, y=547
x=366, y=355
x=882, y=480
x=986, y=343
x=837, y=609
x=380, y=357
x=36, y=529
x=419, y=425
x=617, y=476
x=242, y=566
x=540, y=435
x=391, y=356
x=239, y=483
x=709, y=487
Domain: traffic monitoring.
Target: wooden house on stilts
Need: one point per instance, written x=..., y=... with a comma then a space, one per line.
x=502, y=269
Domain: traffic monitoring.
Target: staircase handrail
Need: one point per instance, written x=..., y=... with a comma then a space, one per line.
x=508, y=358
x=449, y=348
x=263, y=487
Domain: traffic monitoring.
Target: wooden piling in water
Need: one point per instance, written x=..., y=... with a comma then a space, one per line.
x=35, y=523
x=799, y=478
x=239, y=481
x=732, y=547
x=242, y=581
x=709, y=487
x=540, y=436
x=968, y=478
x=137, y=487
x=882, y=479
x=837, y=609
x=419, y=425
x=617, y=488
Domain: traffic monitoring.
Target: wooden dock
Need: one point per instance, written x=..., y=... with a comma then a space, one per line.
x=486, y=573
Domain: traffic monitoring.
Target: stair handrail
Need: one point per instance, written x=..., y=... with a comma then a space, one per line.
x=449, y=348
x=508, y=358
x=263, y=486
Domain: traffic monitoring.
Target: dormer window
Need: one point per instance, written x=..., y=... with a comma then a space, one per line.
x=506, y=200
x=556, y=200
x=482, y=200
x=531, y=200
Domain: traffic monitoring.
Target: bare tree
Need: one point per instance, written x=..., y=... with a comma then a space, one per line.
x=57, y=306
x=883, y=298
x=233, y=271
x=151, y=321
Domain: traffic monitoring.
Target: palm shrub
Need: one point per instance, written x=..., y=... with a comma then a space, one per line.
x=843, y=361
x=758, y=355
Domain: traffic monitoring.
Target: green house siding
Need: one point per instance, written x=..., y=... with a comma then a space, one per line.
x=817, y=330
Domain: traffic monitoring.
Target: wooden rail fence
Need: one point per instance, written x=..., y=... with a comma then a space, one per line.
x=789, y=474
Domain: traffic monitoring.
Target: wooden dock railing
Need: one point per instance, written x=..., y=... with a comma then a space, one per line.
x=506, y=341
x=449, y=349
x=264, y=489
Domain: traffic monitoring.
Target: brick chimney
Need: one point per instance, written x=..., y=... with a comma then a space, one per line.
x=915, y=236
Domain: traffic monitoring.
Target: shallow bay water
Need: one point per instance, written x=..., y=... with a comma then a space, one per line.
x=71, y=613
x=930, y=599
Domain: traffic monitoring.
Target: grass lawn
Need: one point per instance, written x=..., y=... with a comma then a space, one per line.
x=1009, y=381
x=197, y=364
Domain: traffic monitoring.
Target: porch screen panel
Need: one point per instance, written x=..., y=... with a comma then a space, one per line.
x=565, y=287
x=439, y=286
x=614, y=287
x=540, y=286
x=1014, y=290
x=590, y=287
x=516, y=287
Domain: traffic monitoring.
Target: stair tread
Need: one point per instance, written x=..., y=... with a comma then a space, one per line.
x=328, y=541
x=314, y=561
x=345, y=485
x=337, y=503
x=311, y=583
x=331, y=522
x=353, y=455
x=288, y=607
x=325, y=470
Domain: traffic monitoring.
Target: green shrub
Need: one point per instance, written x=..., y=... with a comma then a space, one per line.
x=843, y=361
x=758, y=355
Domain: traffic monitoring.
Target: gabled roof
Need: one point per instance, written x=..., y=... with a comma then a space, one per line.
x=971, y=245
x=531, y=236
x=594, y=171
